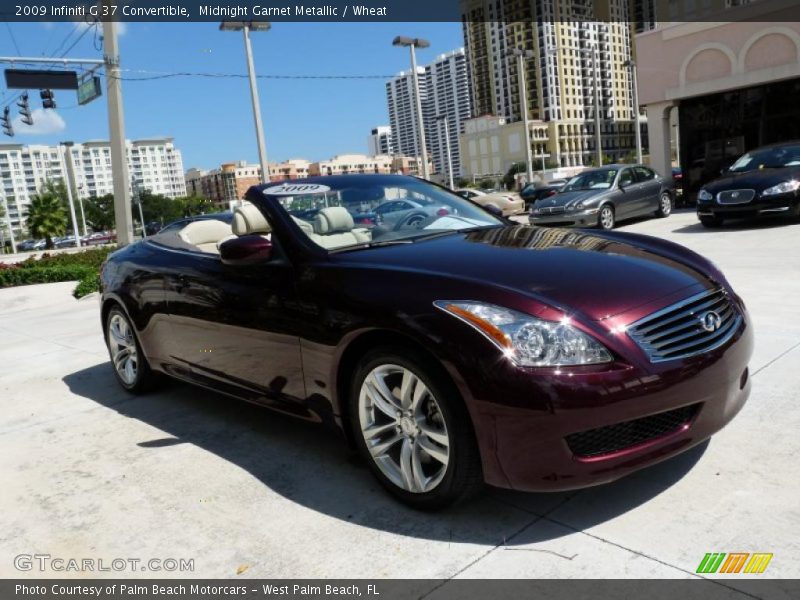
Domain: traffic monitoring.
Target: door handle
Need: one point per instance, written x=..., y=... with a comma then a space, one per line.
x=181, y=283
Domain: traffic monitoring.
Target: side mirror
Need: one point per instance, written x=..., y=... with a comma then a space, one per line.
x=492, y=209
x=245, y=250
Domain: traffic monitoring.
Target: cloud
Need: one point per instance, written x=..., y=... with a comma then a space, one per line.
x=45, y=122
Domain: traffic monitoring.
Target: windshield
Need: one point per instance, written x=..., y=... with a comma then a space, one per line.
x=374, y=210
x=768, y=158
x=602, y=179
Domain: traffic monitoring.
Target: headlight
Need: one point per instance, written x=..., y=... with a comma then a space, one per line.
x=782, y=188
x=576, y=207
x=705, y=195
x=526, y=340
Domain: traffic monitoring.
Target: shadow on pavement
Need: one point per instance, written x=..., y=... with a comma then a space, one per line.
x=739, y=225
x=313, y=466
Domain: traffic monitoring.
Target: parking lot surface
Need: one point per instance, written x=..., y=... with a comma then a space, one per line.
x=89, y=471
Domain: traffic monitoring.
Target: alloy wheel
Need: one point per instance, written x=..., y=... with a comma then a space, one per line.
x=607, y=217
x=122, y=347
x=404, y=428
x=666, y=205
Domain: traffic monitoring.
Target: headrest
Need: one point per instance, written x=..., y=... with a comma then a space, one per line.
x=248, y=219
x=204, y=231
x=333, y=219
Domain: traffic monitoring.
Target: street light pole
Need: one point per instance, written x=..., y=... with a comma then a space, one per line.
x=523, y=103
x=448, y=156
x=246, y=27
x=634, y=83
x=598, y=138
x=75, y=231
x=412, y=44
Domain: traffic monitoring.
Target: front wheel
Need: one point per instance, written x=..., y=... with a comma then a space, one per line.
x=664, y=205
x=605, y=220
x=130, y=365
x=413, y=430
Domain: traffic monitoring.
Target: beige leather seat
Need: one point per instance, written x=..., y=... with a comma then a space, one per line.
x=205, y=234
x=334, y=228
x=247, y=220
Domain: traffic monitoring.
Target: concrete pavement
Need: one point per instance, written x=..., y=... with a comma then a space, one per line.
x=89, y=471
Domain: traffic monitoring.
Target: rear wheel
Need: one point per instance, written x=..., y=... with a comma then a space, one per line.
x=711, y=222
x=127, y=359
x=413, y=430
x=605, y=219
x=664, y=205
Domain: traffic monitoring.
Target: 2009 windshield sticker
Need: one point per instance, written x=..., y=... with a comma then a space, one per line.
x=294, y=189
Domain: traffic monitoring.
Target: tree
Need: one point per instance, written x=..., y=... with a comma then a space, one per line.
x=194, y=205
x=99, y=212
x=47, y=212
x=509, y=180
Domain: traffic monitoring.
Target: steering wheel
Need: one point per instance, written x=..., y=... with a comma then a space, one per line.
x=414, y=220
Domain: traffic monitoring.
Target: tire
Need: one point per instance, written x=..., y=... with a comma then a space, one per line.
x=605, y=218
x=711, y=222
x=431, y=437
x=130, y=368
x=664, y=205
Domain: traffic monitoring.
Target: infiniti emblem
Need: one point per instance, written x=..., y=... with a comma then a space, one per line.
x=710, y=321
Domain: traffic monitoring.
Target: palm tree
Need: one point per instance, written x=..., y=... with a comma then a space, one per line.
x=47, y=214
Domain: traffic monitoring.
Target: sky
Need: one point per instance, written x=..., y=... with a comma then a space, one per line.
x=211, y=119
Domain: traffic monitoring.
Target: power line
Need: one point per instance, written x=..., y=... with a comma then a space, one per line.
x=155, y=75
x=13, y=39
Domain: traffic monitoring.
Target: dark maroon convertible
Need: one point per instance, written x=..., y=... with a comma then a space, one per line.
x=453, y=349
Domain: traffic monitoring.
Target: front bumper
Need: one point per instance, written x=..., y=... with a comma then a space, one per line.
x=584, y=218
x=523, y=417
x=779, y=204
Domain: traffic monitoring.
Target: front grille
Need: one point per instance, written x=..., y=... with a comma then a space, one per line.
x=552, y=210
x=612, y=438
x=690, y=327
x=735, y=196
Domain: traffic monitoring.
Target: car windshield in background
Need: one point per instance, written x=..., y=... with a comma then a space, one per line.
x=371, y=212
x=768, y=158
x=591, y=180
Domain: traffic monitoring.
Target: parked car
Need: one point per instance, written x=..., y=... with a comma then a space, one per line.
x=460, y=351
x=507, y=203
x=99, y=238
x=27, y=245
x=602, y=197
x=763, y=182
x=67, y=241
x=531, y=193
x=407, y=212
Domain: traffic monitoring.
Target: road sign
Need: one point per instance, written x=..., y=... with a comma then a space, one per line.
x=31, y=79
x=89, y=89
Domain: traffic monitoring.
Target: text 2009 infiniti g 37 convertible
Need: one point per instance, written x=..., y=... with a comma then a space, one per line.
x=454, y=351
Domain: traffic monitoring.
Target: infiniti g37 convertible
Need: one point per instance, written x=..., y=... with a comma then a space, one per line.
x=450, y=352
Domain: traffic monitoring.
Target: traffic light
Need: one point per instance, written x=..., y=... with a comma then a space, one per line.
x=6, y=122
x=24, y=109
x=48, y=98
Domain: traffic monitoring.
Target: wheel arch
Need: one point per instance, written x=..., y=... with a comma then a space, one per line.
x=363, y=343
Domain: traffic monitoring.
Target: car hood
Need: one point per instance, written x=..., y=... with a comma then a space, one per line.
x=757, y=180
x=570, y=198
x=599, y=275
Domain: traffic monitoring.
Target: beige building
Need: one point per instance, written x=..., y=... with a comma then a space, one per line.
x=734, y=83
x=346, y=164
x=574, y=49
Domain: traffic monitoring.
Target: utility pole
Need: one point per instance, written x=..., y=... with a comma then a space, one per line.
x=69, y=164
x=523, y=103
x=448, y=156
x=412, y=44
x=75, y=231
x=116, y=125
x=634, y=82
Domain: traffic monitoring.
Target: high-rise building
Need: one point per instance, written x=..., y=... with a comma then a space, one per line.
x=154, y=164
x=380, y=141
x=574, y=49
x=444, y=93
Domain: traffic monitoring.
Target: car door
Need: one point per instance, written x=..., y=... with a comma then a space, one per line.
x=651, y=188
x=235, y=328
x=628, y=195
